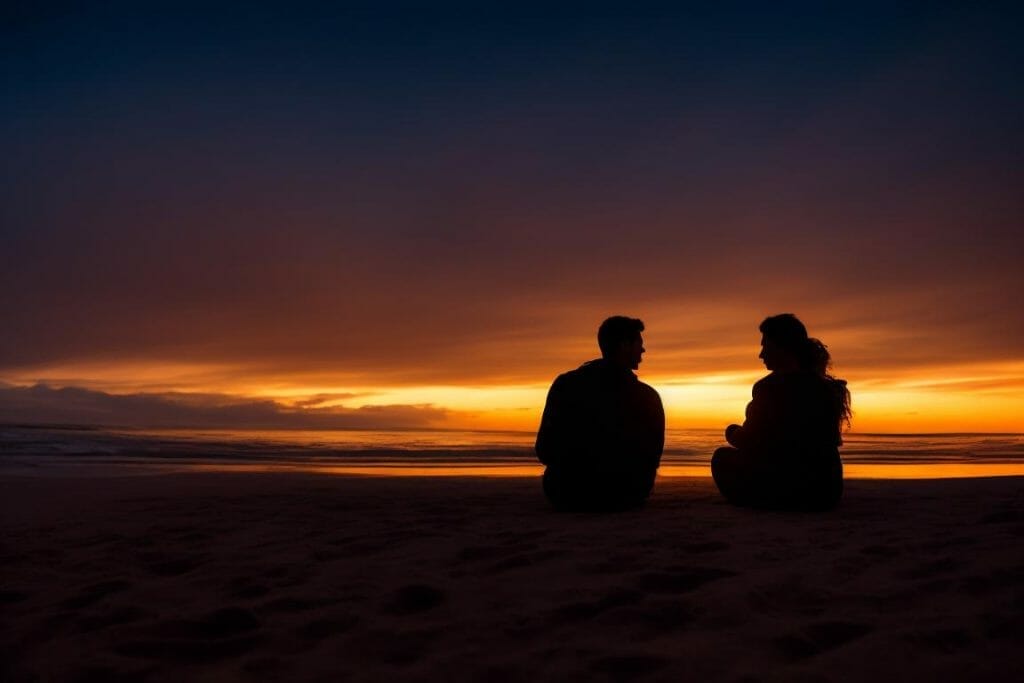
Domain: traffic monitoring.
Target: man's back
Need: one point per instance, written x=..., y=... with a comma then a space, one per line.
x=601, y=438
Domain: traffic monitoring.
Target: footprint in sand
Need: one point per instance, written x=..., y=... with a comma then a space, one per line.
x=10, y=597
x=616, y=564
x=124, y=614
x=880, y=551
x=475, y=553
x=706, y=547
x=223, y=633
x=1006, y=516
x=520, y=561
x=106, y=673
x=318, y=629
x=222, y=623
x=1002, y=626
x=244, y=588
x=94, y=593
x=680, y=579
x=414, y=599
x=931, y=569
x=326, y=555
x=398, y=648
x=945, y=641
x=629, y=667
x=820, y=637
x=291, y=604
x=791, y=597
x=583, y=611
x=658, y=617
x=161, y=565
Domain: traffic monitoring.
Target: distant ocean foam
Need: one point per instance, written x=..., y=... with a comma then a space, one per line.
x=28, y=445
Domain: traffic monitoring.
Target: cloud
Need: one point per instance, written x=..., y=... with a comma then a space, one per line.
x=320, y=399
x=42, y=404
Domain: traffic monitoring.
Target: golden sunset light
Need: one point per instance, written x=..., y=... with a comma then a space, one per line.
x=971, y=398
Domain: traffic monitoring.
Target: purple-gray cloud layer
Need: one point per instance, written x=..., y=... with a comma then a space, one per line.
x=70, y=405
x=450, y=196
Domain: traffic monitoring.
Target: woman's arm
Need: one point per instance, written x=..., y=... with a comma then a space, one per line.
x=762, y=417
x=733, y=435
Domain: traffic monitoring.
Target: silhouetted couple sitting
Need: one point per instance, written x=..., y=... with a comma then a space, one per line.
x=603, y=430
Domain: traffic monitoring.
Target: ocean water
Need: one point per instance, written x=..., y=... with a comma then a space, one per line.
x=687, y=451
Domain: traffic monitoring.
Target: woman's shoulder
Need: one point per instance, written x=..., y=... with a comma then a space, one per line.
x=768, y=383
x=795, y=383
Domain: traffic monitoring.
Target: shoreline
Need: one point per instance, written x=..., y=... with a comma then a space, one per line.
x=59, y=466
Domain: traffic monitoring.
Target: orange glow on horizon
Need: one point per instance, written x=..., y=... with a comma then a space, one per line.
x=858, y=471
x=980, y=397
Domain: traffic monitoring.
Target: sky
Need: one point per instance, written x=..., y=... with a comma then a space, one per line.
x=409, y=215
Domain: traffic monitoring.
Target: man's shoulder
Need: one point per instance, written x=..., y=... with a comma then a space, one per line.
x=571, y=380
x=647, y=390
x=582, y=372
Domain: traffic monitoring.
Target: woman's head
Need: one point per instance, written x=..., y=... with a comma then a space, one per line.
x=786, y=347
x=783, y=338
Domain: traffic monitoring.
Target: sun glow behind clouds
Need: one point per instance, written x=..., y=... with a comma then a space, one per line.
x=705, y=400
x=978, y=397
x=133, y=376
x=471, y=407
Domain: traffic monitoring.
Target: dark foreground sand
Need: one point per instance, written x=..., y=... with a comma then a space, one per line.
x=304, y=577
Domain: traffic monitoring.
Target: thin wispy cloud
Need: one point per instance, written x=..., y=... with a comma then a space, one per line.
x=71, y=405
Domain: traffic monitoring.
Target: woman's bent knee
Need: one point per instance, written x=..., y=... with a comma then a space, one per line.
x=722, y=460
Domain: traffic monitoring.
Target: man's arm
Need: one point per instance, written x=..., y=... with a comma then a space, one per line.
x=659, y=442
x=653, y=443
x=551, y=435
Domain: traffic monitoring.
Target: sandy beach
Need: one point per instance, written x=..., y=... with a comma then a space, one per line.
x=298, y=577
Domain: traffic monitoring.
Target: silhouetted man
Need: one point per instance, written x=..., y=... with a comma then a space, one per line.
x=603, y=430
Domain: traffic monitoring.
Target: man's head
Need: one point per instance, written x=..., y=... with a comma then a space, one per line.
x=620, y=341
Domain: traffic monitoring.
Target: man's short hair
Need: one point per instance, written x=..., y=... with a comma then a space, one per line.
x=617, y=329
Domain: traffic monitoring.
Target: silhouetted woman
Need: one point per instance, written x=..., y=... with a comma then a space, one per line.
x=786, y=454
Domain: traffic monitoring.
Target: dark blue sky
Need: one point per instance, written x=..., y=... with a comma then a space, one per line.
x=272, y=186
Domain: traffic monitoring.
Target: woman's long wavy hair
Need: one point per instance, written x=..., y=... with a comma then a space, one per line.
x=787, y=331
